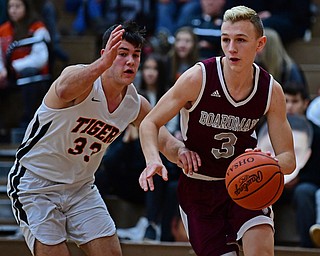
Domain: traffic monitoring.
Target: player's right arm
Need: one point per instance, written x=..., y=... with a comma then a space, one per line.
x=183, y=94
x=279, y=130
x=76, y=81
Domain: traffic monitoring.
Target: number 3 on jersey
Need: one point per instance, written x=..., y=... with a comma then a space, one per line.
x=227, y=148
x=80, y=144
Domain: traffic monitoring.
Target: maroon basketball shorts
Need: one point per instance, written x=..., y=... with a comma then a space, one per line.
x=216, y=224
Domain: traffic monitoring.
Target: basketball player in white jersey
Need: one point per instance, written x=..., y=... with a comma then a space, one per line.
x=221, y=100
x=51, y=184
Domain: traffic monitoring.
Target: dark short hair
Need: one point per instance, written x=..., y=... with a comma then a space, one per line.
x=296, y=88
x=133, y=34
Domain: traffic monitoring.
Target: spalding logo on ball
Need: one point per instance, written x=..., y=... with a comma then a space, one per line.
x=254, y=180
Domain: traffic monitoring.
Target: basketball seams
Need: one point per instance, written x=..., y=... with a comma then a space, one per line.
x=280, y=188
x=252, y=167
x=256, y=175
x=261, y=187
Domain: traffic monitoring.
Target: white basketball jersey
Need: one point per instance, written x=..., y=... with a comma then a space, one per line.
x=67, y=145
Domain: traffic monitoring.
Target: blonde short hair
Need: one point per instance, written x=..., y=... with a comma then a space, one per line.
x=239, y=13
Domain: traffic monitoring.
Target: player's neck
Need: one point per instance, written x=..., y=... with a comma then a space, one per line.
x=114, y=96
x=239, y=84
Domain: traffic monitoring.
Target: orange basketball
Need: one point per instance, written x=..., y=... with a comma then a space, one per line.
x=254, y=180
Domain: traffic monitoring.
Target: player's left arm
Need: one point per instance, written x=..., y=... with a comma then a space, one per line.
x=169, y=145
x=279, y=130
x=172, y=148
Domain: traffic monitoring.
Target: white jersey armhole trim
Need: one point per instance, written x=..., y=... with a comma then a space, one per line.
x=269, y=94
x=204, y=79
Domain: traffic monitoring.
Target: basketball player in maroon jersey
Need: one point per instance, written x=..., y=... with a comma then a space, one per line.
x=221, y=100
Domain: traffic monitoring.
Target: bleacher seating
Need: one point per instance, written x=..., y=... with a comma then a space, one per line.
x=307, y=55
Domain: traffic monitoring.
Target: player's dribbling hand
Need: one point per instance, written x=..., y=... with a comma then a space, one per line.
x=188, y=160
x=146, y=177
x=259, y=150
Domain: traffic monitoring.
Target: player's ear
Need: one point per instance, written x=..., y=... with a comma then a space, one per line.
x=261, y=43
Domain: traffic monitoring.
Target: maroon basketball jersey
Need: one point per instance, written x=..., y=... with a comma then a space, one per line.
x=218, y=127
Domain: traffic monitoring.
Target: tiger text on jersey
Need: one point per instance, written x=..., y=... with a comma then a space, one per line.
x=96, y=128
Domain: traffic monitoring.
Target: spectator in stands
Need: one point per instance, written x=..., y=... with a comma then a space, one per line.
x=206, y=25
x=24, y=23
x=142, y=11
x=48, y=12
x=161, y=204
x=308, y=191
x=313, y=114
x=275, y=59
x=183, y=54
x=302, y=134
x=173, y=14
x=313, y=111
x=302, y=184
x=308, y=184
x=87, y=13
x=97, y=14
x=290, y=18
x=154, y=82
x=308, y=179
x=72, y=6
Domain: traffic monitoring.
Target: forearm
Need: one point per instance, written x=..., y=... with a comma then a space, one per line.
x=169, y=145
x=148, y=133
x=75, y=80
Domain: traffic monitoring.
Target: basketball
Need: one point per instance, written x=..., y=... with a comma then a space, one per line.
x=254, y=180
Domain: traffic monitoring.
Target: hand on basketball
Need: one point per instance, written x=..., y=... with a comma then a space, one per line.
x=146, y=177
x=268, y=153
x=253, y=150
x=254, y=180
x=188, y=160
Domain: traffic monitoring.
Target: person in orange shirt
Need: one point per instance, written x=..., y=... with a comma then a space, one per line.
x=25, y=61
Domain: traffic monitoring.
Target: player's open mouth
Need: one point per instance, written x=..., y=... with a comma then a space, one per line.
x=234, y=59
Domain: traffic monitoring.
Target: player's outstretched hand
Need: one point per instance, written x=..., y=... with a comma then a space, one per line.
x=146, y=177
x=188, y=160
x=110, y=51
